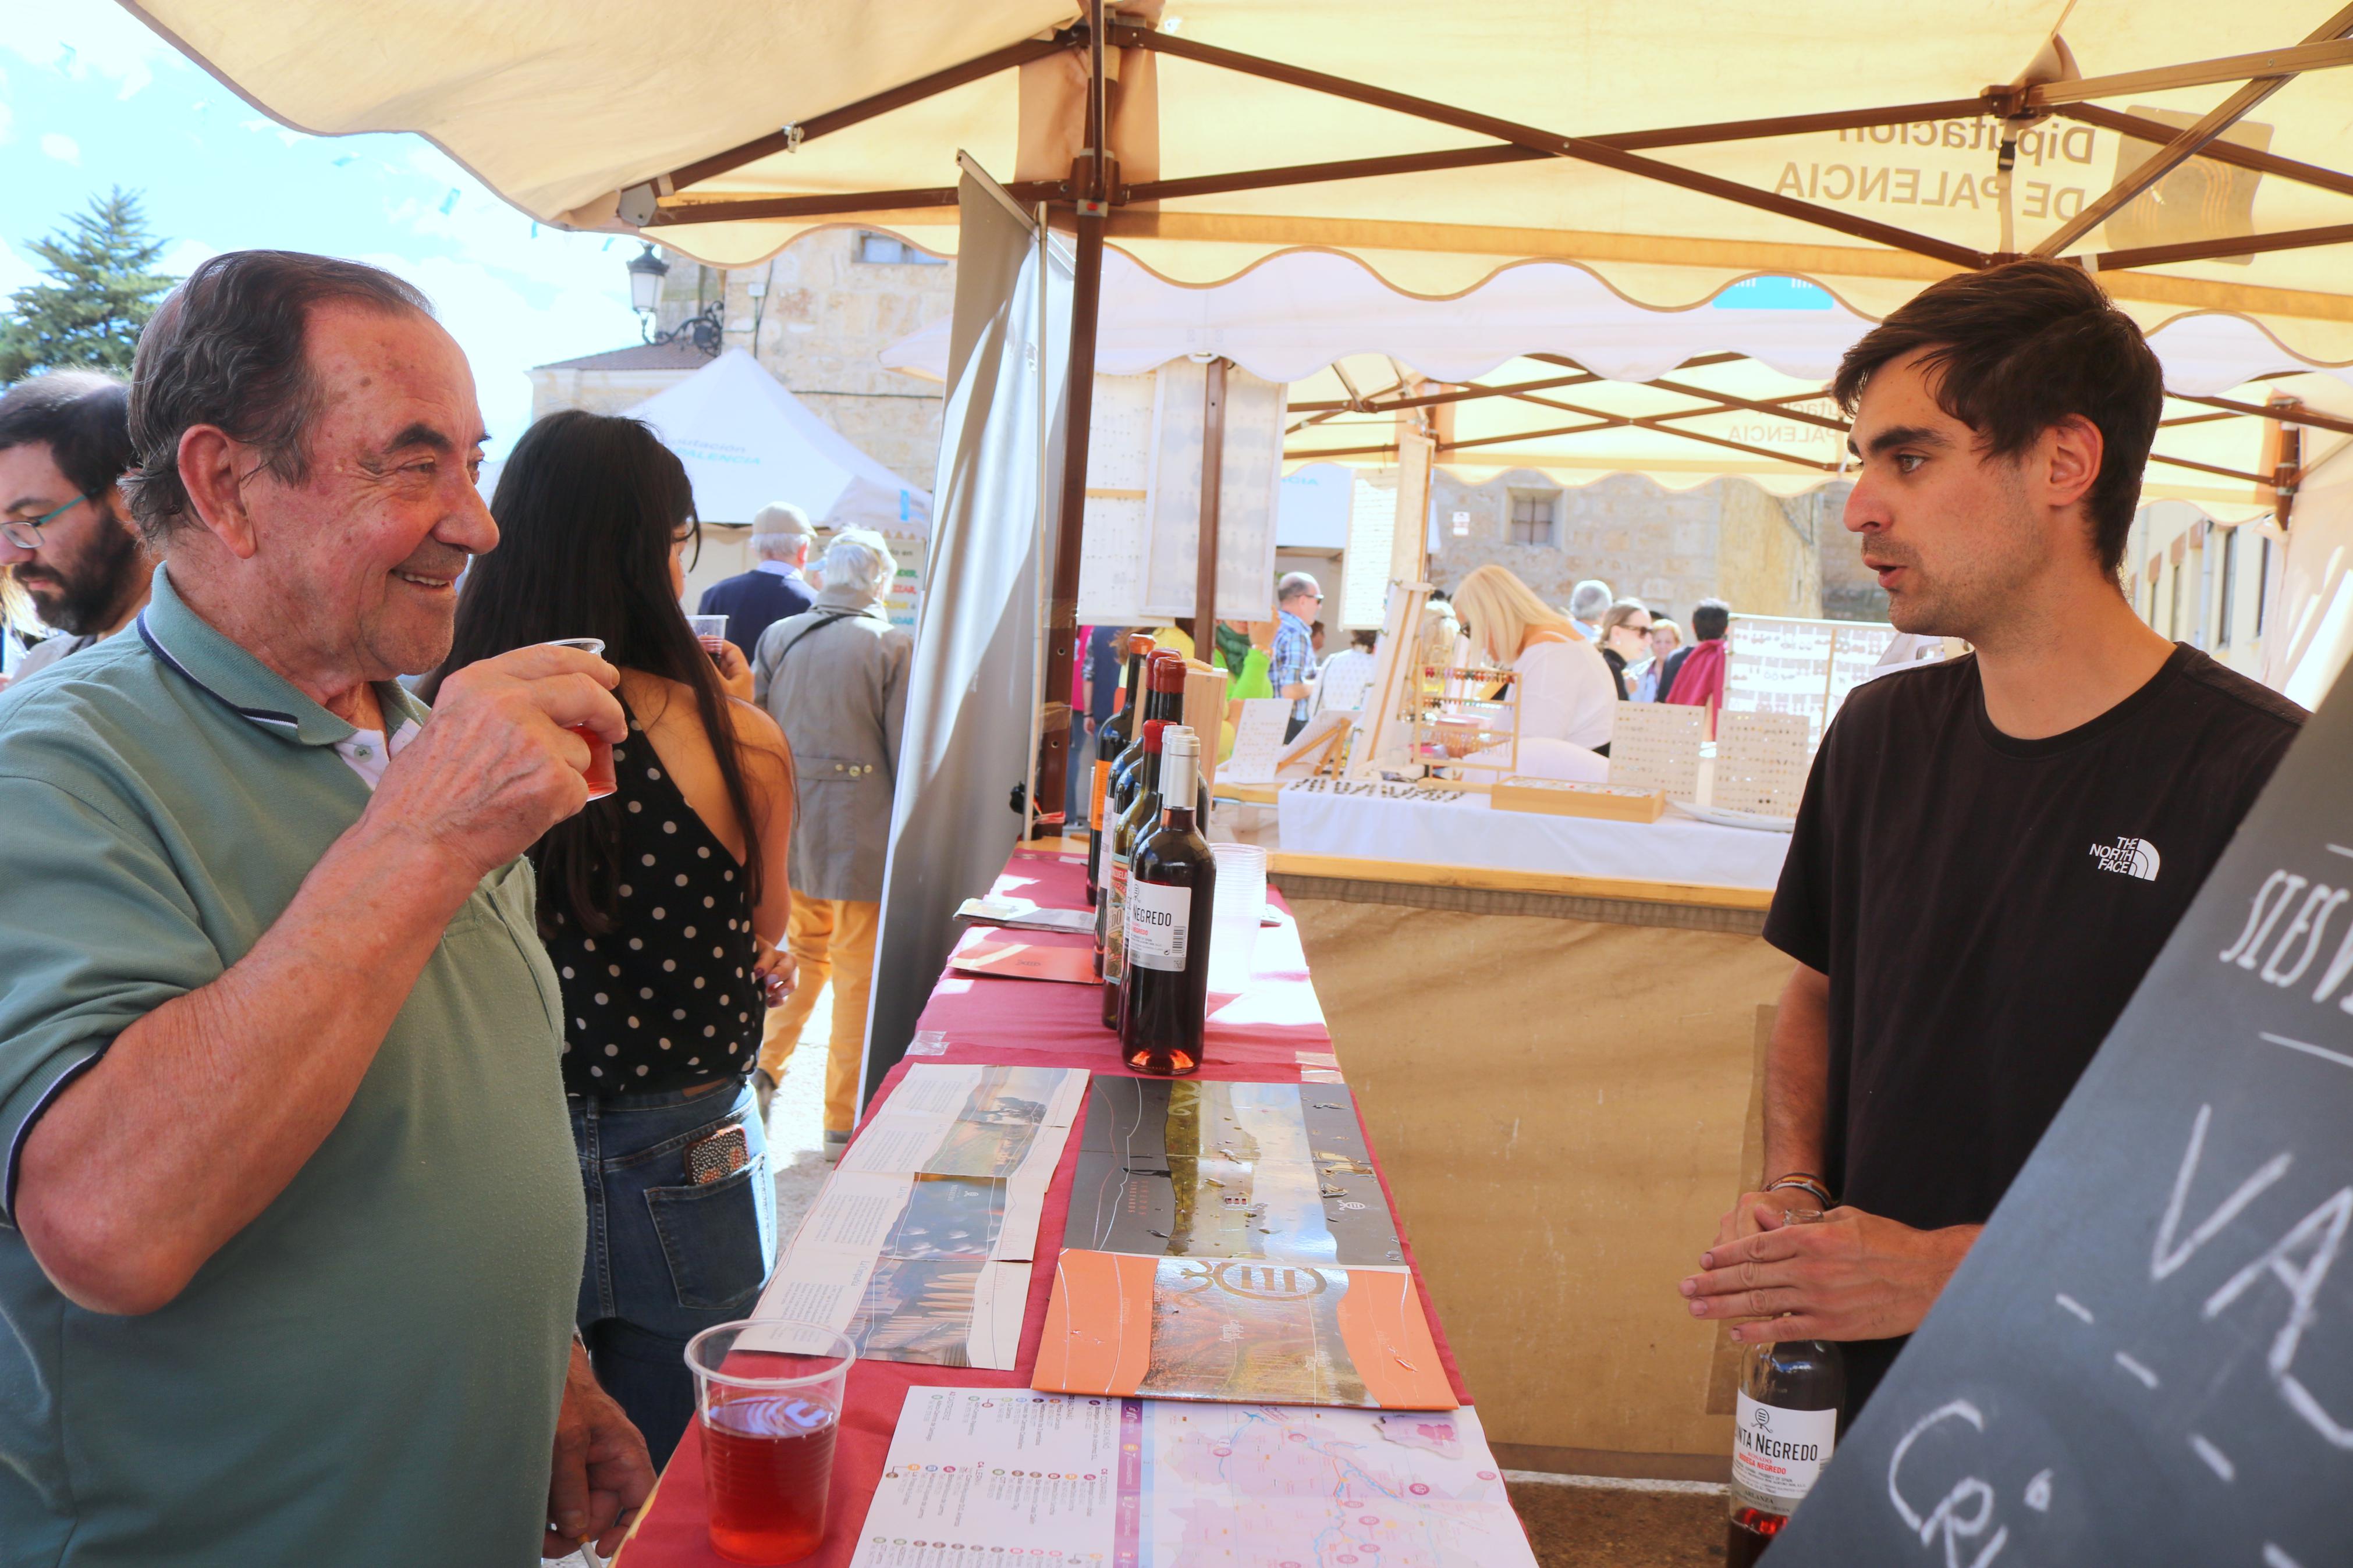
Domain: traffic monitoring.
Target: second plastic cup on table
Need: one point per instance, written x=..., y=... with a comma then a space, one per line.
x=1233, y=926
x=601, y=781
x=768, y=1395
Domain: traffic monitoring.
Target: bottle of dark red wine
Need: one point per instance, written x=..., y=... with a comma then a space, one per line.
x=1141, y=817
x=1163, y=701
x=1172, y=885
x=1785, y=1425
x=1110, y=741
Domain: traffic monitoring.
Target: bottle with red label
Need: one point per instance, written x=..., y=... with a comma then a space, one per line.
x=1142, y=816
x=1785, y=1425
x=1110, y=741
x=1172, y=885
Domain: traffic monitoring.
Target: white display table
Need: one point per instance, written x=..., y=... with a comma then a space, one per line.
x=1466, y=830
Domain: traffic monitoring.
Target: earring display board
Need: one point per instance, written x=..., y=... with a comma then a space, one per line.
x=1655, y=746
x=1760, y=762
x=1777, y=664
x=1139, y=559
x=1383, y=735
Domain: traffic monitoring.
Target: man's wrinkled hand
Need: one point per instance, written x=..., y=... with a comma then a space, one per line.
x=1852, y=1276
x=1753, y=1212
x=601, y=1475
x=498, y=765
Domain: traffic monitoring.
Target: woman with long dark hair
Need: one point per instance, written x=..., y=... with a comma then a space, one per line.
x=662, y=904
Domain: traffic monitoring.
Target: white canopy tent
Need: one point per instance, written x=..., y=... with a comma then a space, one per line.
x=746, y=441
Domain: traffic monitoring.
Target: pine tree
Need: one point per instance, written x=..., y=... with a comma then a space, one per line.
x=103, y=289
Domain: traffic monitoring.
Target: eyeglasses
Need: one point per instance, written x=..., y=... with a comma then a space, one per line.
x=25, y=532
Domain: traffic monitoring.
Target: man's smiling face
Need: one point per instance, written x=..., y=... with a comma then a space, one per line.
x=1949, y=532
x=363, y=553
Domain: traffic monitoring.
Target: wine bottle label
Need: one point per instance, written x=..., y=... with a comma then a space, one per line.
x=1102, y=787
x=1157, y=916
x=1115, y=925
x=1777, y=1454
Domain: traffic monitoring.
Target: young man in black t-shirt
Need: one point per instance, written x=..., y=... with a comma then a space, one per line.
x=1991, y=850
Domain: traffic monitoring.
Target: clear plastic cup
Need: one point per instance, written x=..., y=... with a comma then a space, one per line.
x=708, y=630
x=768, y=1394
x=1234, y=918
x=601, y=781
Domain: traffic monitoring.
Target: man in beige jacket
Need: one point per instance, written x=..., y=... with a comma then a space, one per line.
x=835, y=678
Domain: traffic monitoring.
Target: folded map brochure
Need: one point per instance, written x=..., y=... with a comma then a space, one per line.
x=1021, y=914
x=1189, y=1168
x=920, y=1246
x=1231, y=1241
x=994, y=1476
x=981, y=953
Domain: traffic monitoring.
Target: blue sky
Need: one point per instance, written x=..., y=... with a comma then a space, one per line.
x=90, y=99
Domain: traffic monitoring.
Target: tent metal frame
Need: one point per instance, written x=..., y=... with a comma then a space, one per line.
x=1092, y=193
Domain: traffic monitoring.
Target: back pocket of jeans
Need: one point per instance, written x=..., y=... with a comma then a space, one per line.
x=711, y=1238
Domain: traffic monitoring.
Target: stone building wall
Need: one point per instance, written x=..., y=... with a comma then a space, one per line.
x=1850, y=591
x=1668, y=548
x=824, y=317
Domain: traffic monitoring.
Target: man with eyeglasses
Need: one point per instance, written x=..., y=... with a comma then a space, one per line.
x=65, y=534
x=1292, y=670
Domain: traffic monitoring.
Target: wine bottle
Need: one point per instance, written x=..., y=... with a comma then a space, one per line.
x=1785, y=1425
x=1110, y=741
x=1163, y=700
x=1172, y=886
x=1143, y=814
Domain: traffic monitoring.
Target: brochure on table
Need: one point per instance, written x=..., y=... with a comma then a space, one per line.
x=1230, y=1241
x=919, y=1247
x=979, y=1477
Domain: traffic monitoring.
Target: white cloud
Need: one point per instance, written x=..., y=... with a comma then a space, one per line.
x=61, y=147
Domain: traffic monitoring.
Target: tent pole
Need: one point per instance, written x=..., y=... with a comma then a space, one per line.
x=1213, y=469
x=1089, y=182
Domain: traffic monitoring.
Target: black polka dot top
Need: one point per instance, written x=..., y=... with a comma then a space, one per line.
x=666, y=999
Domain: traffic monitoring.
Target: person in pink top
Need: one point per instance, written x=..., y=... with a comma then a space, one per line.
x=1694, y=677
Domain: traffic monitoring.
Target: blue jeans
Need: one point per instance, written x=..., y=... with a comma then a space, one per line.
x=667, y=1259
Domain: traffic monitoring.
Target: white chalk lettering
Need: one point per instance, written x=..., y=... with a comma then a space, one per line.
x=2164, y=1259
x=2318, y=1237
x=2310, y=922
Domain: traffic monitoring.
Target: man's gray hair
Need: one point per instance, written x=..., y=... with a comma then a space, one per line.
x=1293, y=583
x=859, y=562
x=1590, y=599
x=226, y=348
x=778, y=529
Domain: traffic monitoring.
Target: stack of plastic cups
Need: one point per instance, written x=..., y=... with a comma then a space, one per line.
x=1234, y=920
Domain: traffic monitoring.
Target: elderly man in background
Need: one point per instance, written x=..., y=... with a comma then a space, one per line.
x=64, y=523
x=835, y=681
x=773, y=588
x=1291, y=667
x=293, y=1223
x=1588, y=602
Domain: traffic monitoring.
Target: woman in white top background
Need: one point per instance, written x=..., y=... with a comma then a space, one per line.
x=1565, y=690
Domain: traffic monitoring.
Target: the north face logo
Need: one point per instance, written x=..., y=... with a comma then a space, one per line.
x=2129, y=856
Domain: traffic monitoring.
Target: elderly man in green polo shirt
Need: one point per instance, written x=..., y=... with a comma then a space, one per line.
x=293, y=1220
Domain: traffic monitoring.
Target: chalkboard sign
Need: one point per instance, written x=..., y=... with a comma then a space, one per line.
x=2147, y=1358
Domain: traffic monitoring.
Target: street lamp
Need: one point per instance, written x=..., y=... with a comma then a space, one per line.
x=647, y=271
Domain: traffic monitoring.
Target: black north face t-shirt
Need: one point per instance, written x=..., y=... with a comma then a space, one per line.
x=1985, y=906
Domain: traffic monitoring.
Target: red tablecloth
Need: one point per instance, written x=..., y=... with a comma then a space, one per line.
x=1254, y=1038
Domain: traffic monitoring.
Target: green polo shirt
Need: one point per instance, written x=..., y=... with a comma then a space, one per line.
x=370, y=1371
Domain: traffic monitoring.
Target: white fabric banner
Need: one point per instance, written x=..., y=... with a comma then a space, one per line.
x=972, y=694
x=1468, y=831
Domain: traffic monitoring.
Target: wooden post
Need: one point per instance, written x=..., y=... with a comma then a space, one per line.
x=1089, y=182
x=1213, y=465
x=1409, y=542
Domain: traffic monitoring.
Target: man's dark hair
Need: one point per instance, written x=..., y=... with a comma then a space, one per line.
x=2012, y=350
x=1709, y=618
x=84, y=419
x=226, y=348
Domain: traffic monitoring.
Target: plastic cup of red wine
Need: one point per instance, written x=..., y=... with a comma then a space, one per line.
x=768, y=1398
x=708, y=630
x=601, y=782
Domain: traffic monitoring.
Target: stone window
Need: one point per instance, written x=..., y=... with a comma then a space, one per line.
x=1535, y=516
x=883, y=248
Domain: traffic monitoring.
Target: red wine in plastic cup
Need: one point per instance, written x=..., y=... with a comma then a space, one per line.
x=601, y=782
x=769, y=1399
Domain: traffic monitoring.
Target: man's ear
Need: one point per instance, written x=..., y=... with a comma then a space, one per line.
x=211, y=470
x=2070, y=457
